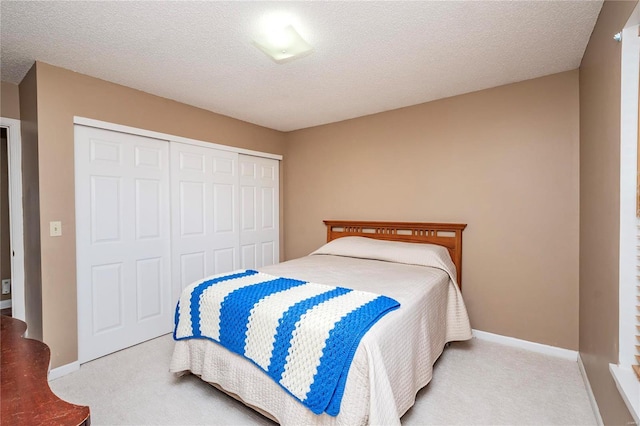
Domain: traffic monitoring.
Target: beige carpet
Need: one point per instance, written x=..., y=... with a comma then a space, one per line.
x=474, y=382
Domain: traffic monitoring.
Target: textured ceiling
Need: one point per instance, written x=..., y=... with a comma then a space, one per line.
x=369, y=56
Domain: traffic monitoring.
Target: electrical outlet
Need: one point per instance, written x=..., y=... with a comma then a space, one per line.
x=55, y=229
x=6, y=286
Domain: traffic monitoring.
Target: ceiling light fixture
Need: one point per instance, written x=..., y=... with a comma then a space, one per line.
x=283, y=44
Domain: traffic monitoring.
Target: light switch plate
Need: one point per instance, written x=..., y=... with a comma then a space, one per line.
x=6, y=286
x=55, y=229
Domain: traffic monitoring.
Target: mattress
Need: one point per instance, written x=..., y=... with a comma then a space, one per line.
x=393, y=361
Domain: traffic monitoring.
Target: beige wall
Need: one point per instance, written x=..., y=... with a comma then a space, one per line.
x=9, y=101
x=503, y=160
x=31, y=204
x=600, y=208
x=63, y=94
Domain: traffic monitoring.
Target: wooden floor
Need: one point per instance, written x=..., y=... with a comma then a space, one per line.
x=6, y=312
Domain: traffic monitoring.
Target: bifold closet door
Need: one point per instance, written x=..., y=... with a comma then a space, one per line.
x=259, y=207
x=204, y=186
x=122, y=240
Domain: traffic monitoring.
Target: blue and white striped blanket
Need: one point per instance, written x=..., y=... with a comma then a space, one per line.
x=303, y=335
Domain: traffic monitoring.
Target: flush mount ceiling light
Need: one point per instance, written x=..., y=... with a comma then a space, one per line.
x=283, y=44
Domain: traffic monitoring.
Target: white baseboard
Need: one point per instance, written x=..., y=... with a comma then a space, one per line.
x=592, y=398
x=4, y=304
x=63, y=370
x=527, y=345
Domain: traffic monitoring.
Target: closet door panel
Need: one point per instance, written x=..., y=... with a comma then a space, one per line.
x=148, y=278
x=105, y=208
x=148, y=208
x=225, y=226
x=268, y=208
x=268, y=253
x=224, y=260
x=248, y=208
x=122, y=240
x=259, y=233
x=223, y=208
x=204, y=213
x=191, y=267
x=106, y=298
x=248, y=258
x=193, y=209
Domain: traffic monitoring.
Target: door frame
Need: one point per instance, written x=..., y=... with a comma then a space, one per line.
x=629, y=98
x=16, y=233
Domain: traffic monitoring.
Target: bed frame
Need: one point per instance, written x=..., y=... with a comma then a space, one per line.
x=448, y=235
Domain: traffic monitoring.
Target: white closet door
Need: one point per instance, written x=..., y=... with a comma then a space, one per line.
x=259, y=206
x=204, y=184
x=122, y=240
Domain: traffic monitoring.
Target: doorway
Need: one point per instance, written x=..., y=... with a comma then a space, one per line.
x=11, y=219
x=5, y=230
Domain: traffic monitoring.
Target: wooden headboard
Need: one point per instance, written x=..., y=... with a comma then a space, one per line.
x=448, y=235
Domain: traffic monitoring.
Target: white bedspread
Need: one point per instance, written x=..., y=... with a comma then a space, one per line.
x=394, y=360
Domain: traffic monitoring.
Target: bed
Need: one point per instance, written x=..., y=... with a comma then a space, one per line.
x=417, y=264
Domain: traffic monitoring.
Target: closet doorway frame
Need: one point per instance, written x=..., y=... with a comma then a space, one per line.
x=105, y=125
x=16, y=233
